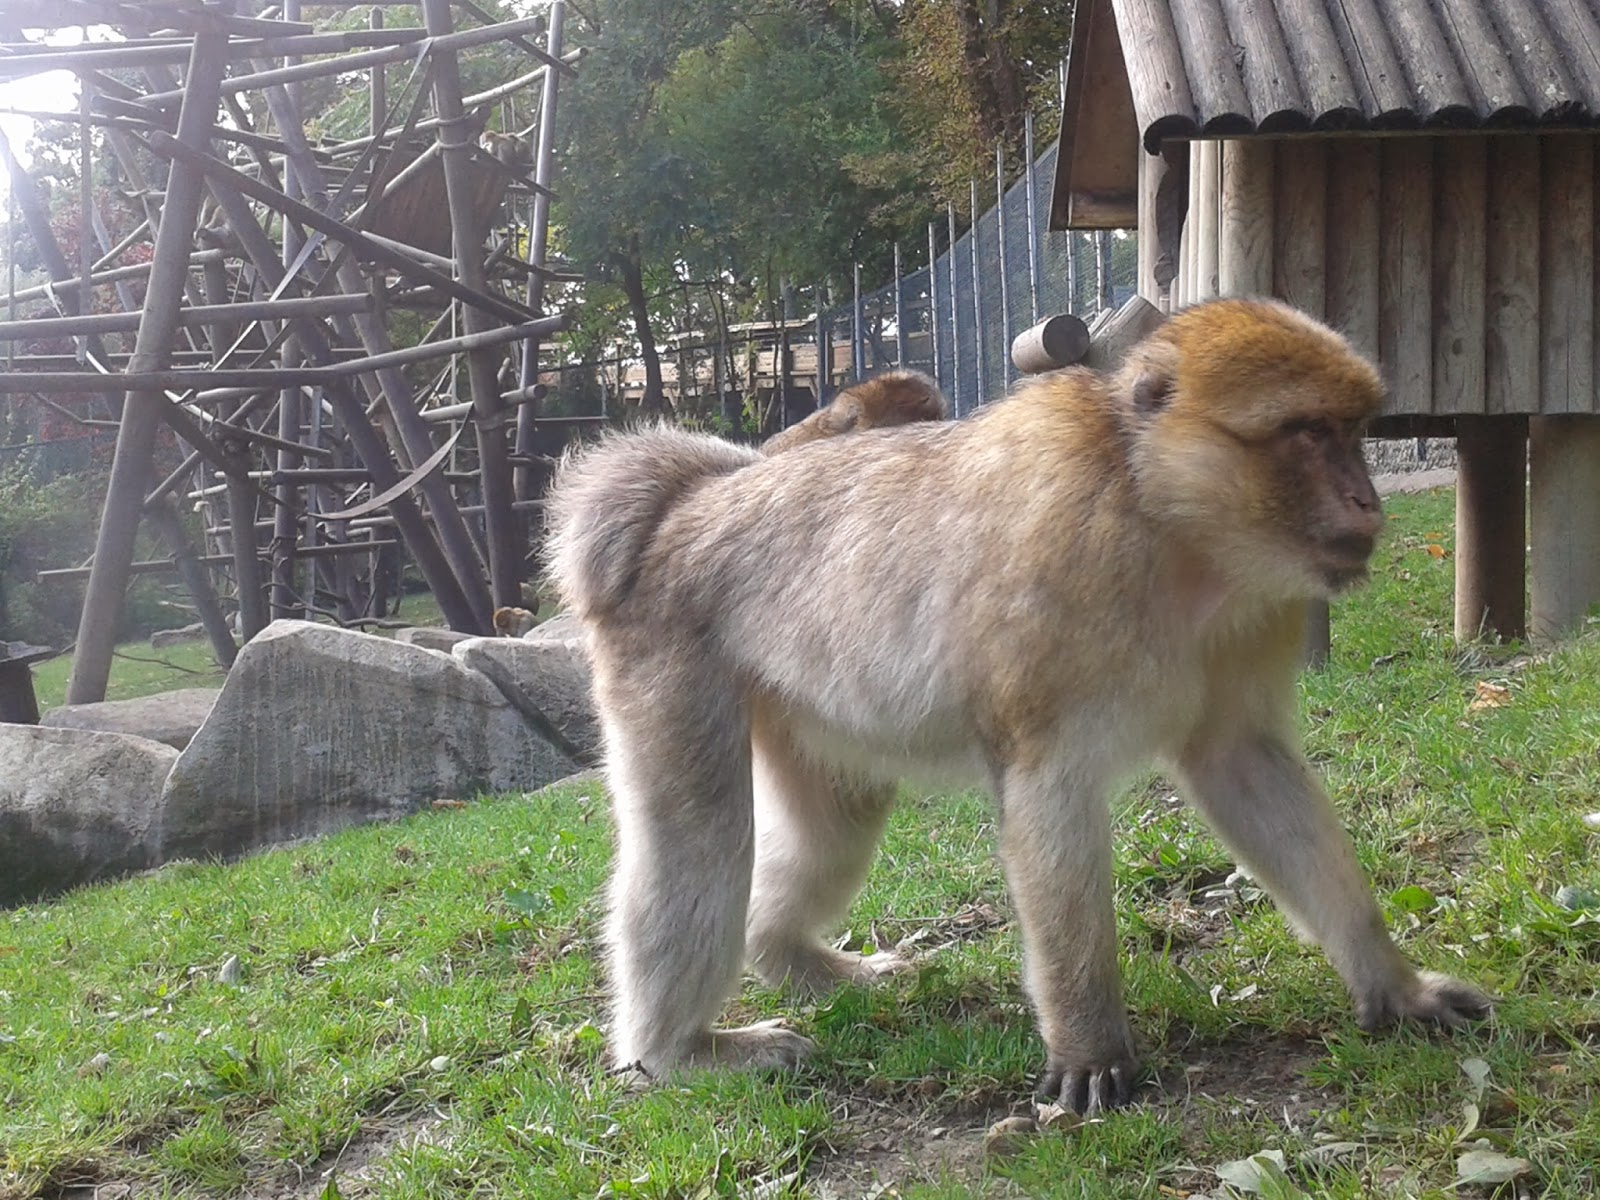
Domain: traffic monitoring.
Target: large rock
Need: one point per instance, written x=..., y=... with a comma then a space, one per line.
x=161, y=639
x=430, y=637
x=551, y=677
x=168, y=717
x=319, y=728
x=76, y=806
x=563, y=627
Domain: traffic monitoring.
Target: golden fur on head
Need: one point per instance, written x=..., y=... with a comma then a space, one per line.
x=893, y=398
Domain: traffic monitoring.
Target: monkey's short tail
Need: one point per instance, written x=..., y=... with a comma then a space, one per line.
x=609, y=499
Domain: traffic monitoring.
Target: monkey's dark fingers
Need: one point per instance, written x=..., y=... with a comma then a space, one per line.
x=1089, y=1090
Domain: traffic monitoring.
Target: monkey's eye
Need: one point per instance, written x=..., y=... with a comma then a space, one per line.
x=1315, y=428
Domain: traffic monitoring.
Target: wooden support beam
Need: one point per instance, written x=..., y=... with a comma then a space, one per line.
x=188, y=317
x=389, y=386
x=141, y=413
x=1563, y=521
x=443, y=580
x=364, y=245
x=505, y=559
x=1491, y=527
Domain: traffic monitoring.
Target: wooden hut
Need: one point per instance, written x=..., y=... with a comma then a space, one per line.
x=1421, y=176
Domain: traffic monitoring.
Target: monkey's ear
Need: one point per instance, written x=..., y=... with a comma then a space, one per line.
x=1152, y=391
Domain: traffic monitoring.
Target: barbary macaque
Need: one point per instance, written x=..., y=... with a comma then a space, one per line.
x=893, y=398
x=1099, y=572
x=512, y=149
x=513, y=622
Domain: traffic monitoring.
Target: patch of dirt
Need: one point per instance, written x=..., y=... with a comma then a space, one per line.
x=354, y=1164
x=876, y=1146
x=879, y=1145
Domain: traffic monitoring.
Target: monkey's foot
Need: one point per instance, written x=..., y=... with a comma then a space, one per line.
x=752, y=1047
x=1425, y=996
x=1089, y=1088
x=815, y=970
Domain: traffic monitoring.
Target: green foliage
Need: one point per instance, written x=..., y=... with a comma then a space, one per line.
x=51, y=524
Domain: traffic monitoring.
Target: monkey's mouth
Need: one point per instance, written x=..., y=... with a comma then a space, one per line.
x=1344, y=560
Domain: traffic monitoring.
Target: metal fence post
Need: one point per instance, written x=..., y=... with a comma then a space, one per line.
x=1102, y=242
x=1033, y=225
x=824, y=352
x=977, y=303
x=856, y=340
x=955, y=314
x=1005, y=282
x=899, y=313
x=933, y=303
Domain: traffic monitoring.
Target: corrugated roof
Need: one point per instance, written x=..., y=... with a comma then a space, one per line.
x=1221, y=68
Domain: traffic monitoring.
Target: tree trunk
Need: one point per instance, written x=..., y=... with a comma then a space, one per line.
x=996, y=80
x=632, y=271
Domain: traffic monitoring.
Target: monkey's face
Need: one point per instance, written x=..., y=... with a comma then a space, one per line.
x=1251, y=418
x=1339, y=516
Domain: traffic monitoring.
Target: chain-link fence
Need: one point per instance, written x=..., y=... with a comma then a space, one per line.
x=988, y=284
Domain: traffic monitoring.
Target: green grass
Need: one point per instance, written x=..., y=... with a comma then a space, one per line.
x=415, y=1001
x=137, y=670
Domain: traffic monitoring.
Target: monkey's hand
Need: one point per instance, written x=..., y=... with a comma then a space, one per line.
x=1087, y=1089
x=1424, y=996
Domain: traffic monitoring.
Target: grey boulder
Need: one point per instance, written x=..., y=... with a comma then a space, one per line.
x=544, y=680
x=76, y=806
x=430, y=637
x=319, y=728
x=168, y=717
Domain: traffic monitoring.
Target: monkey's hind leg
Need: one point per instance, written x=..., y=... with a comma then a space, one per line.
x=679, y=770
x=816, y=833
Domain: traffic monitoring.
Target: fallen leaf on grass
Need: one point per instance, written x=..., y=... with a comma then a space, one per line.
x=1007, y=1136
x=1576, y=899
x=1489, y=695
x=1261, y=1174
x=1435, y=550
x=1489, y=1166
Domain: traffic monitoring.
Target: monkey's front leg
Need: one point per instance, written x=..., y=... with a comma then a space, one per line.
x=1263, y=799
x=1055, y=842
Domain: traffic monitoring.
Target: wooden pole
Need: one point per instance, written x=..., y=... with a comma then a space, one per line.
x=1491, y=526
x=141, y=414
x=494, y=466
x=164, y=517
x=1563, y=521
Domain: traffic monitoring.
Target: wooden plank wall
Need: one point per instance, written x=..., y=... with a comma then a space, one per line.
x=1464, y=264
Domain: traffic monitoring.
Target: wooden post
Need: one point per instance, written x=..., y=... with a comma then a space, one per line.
x=1491, y=526
x=494, y=465
x=164, y=518
x=246, y=555
x=141, y=412
x=1563, y=521
x=1206, y=217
